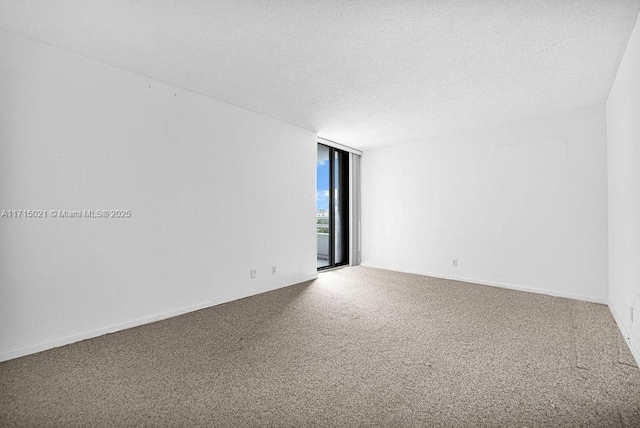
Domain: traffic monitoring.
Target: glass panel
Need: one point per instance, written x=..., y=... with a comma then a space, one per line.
x=332, y=207
x=341, y=207
x=323, y=183
x=337, y=205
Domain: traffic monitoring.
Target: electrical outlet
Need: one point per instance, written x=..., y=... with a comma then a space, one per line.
x=252, y=273
x=455, y=263
x=273, y=270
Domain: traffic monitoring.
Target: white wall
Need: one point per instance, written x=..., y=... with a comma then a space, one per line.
x=521, y=204
x=214, y=191
x=623, y=154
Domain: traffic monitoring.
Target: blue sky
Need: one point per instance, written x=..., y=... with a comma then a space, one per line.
x=322, y=190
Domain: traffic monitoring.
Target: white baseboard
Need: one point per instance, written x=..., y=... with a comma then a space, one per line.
x=500, y=285
x=627, y=337
x=229, y=297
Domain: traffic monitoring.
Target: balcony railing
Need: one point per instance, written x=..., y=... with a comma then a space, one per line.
x=322, y=224
x=322, y=228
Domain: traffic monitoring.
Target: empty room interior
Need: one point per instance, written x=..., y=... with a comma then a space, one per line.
x=297, y=213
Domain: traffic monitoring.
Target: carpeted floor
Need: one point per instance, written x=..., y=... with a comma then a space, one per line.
x=357, y=347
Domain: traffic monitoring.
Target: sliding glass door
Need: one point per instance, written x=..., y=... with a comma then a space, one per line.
x=332, y=207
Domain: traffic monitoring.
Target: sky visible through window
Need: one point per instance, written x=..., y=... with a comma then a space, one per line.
x=322, y=180
x=322, y=191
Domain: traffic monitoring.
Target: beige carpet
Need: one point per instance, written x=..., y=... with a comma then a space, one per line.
x=357, y=347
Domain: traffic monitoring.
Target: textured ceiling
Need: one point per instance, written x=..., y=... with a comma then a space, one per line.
x=363, y=73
